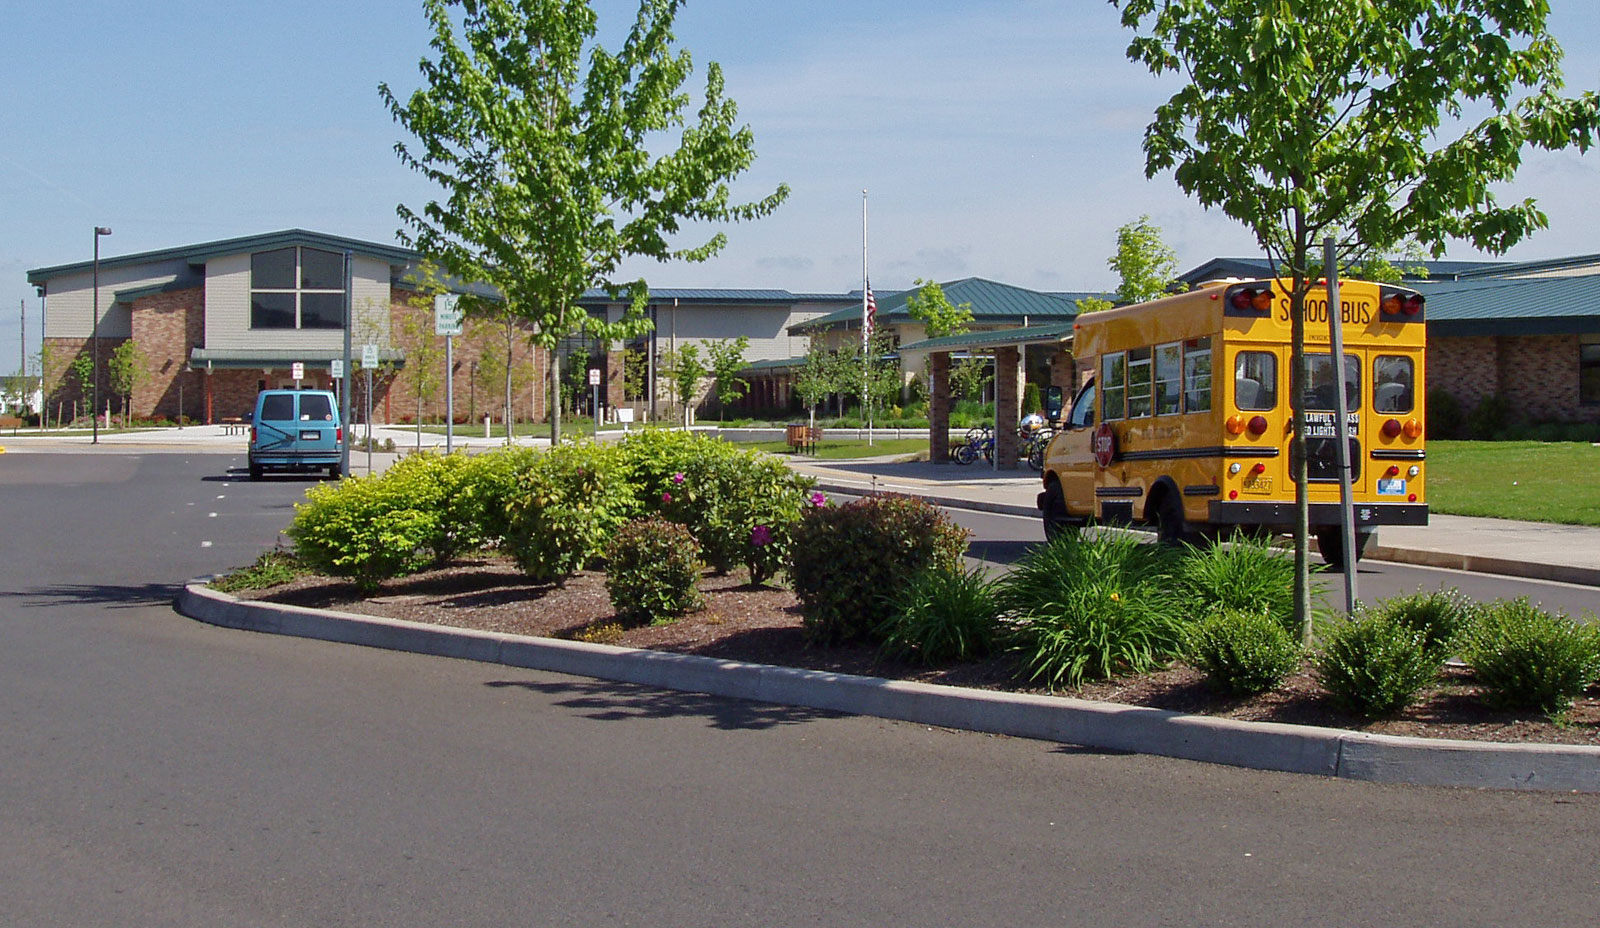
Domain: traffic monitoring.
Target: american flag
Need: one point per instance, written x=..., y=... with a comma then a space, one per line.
x=872, y=310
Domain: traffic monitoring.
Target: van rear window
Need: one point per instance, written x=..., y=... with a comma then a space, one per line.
x=316, y=408
x=277, y=407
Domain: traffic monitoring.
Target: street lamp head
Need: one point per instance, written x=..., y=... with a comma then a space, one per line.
x=102, y=230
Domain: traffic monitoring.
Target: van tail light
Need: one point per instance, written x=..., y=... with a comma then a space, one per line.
x=338, y=435
x=1391, y=428
x=1258, y=425
x=252, y=434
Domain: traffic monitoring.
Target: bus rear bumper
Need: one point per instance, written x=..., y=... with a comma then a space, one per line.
x=1282, y=514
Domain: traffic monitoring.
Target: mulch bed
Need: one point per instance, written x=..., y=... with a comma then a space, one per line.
x=762, y=624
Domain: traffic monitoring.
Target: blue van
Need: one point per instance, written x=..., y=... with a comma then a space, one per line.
x=295, y=430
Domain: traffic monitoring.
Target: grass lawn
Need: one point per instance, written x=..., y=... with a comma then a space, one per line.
x=1536, y=481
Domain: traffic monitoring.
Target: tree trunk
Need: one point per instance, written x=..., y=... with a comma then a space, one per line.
x=1297, y=449
x=555, y=398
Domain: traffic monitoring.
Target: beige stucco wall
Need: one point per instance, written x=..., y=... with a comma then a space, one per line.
x=69, y=301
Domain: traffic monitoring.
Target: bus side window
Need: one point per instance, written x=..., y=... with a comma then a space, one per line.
x=1169, y=373
x=1082, y=415
x=1197, y=375
x=1114, y=377
x=1255, y=380
x=1392, y=384
x=1140, y=383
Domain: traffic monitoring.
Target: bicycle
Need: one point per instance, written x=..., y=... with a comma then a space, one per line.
x=980, y=440
x=1034, y=445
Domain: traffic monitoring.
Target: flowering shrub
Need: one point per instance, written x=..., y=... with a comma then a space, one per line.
x=844, y=561
x=652, y=571
x=364, y=528
x=565, y=506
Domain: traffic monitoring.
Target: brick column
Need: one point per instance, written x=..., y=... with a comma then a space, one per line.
x=614, y=379
x=1007, y=400
x=939, y=407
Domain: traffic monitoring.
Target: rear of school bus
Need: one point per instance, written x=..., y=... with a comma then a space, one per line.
x=1186, y=425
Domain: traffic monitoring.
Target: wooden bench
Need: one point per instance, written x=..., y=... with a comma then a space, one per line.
x=803, y=437
x=233, y=426
x=10, y=422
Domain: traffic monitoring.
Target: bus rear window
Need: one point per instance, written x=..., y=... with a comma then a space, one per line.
x=1393, y=384
x=1322, y=391
x=1255, y=380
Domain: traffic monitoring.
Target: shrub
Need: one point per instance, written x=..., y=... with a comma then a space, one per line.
x=1241, y=652
x=1529, y=658
x=1582, y=431
x=1444, y=418
x=943, y=615
x=652, y=571
x=565, y=506
x=1440, y=617
x=362, y=528
x=1245, y=575
x=445, y=484
x=1487, y=420
x=1373, y=665
x=494, y=480
x=1091, y=607
x=846, y=560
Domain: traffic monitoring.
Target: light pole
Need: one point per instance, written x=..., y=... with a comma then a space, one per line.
x=94, y=376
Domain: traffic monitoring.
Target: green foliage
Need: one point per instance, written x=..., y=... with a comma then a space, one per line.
x=727, y=360
x=1242, y=652
x=1148, y=268
x=1245, y=575
x=1445, y=420
x=684, y=371
x=1091, y=606
x=1441, y=617
x=943, y=615
x=1373, y=665
x=1489, y=417
x=934, y=310
x=1032, y=401
x=363, y=528
x=846, y=560
x=1092, y=304
x=449, y=486
x=635, y=373
x=270, y=569
x=126, y=367
x=652, y=571
x=819, y=376
x=536, y=135
x=969, y=377
x=82, y=368
x=565, y=507
x=1529, y=658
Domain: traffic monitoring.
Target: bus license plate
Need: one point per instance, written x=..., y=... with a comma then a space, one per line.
x=1256, y=485
x=1391, y=486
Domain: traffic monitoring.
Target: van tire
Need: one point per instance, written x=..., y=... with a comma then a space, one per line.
x=255, y=471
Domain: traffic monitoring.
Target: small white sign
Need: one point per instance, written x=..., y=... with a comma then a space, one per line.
x=624, y=413
x=594, y=376
x=369, y=356
x=446, y=314
x=297, y=370
x=336, y=369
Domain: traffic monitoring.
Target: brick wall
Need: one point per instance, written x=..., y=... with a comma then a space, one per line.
x=472, y=402
x=1538, y=374
x=165, y=327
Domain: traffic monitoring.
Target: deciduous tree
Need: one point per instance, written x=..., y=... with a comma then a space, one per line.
x=545, y=163
x=1148, y=268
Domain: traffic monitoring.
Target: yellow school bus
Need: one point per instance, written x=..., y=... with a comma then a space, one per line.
x=1185, y=422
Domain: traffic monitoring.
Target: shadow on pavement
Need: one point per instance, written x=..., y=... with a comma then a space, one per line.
x=610, y=702
x=102, y=594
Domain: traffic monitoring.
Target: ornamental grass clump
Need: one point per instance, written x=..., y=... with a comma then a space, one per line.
x=653, y=572
x=1242, y=653
x=846, y=561
x=1528, y=658
x=1246, y=574
x=941, y=616
x=363, y=528
x=1092, y=606
x=1374, y=665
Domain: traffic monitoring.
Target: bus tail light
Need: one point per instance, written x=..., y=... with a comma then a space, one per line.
x=1393, y=471
x=1235, y=425
x=1258, y=469
x=1250, y=300
x=1391, y=428
x=1258, y=425
x=1412, y=428
x=1413, y=304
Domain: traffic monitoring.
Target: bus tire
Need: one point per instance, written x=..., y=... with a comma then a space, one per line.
x=1330, y=542
x=1169, y=520
x=1054, y=508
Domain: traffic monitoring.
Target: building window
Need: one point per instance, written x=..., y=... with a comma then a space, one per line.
x=1589, y=371
x=296, y=288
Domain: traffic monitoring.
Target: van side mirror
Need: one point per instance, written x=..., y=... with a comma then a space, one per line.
x=1052, y=403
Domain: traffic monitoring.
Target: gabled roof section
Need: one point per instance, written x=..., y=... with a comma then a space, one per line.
x=1054, y=333
x=1513, y=306
x=1530, y=268
x=992, y=302
x=200, y=253
x=1220, y=268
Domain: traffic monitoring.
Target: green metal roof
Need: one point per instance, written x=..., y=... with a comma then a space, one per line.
x=1032, y=335
x=1513, y=306
x=991, y=302
x=177, y=283
x=198, y=254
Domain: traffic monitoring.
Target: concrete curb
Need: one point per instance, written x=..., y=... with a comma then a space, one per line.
x=1257, y=745
x=1472, y=563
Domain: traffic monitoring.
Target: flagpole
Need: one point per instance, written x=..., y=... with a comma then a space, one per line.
x=866, y=321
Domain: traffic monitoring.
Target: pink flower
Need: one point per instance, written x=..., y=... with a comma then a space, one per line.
x=818, y=500
x=760, y=535
x=666, y=497
x=678, y=478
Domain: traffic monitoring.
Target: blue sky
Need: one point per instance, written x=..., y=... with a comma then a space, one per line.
x=997, y=138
